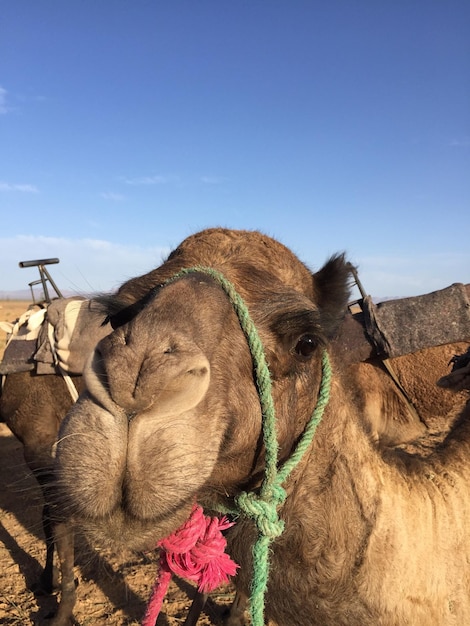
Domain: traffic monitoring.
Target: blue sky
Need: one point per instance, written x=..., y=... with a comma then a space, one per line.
x=340, y=125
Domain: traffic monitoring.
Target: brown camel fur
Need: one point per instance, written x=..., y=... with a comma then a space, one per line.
x=386, y=411
x=171, y=415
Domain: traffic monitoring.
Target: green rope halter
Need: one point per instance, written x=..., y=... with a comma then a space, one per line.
x=263, y=508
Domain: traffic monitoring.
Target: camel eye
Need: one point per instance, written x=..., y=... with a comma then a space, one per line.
x=305, y=346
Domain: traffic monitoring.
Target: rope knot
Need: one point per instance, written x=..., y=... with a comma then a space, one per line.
x=263, y=512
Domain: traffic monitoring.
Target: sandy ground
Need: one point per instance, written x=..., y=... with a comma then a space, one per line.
x=112, y=590
x=10, y=310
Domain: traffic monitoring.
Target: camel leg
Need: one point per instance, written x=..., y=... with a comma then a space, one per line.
x=194, y=612
x=46, y=581
x=236, y=614
x=64, y=542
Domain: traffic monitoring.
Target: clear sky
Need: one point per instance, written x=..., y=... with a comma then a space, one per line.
x=331, y=125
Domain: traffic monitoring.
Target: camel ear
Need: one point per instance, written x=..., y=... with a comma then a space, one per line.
x=332, y=288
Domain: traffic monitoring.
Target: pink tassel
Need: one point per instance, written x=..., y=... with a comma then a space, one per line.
x=196, y=552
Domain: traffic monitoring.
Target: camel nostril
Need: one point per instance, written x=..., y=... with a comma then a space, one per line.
x=198, y=371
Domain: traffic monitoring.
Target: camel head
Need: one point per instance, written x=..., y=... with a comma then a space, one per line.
x=172, y=413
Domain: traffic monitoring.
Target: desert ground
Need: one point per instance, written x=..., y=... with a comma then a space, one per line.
x=10, y=310
x=112, y=589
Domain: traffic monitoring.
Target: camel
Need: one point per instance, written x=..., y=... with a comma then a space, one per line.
x=33, y=407
x=219, y=386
